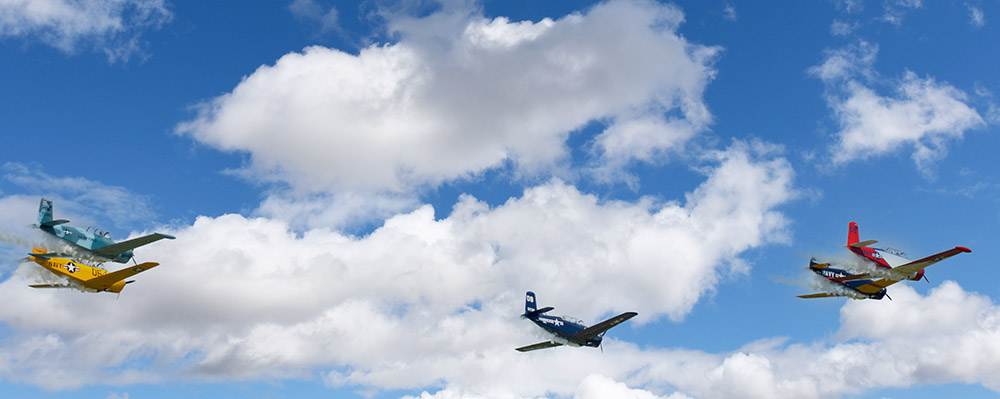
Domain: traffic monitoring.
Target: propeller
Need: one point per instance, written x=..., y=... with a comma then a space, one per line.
x=927, y=280
x=887, y=296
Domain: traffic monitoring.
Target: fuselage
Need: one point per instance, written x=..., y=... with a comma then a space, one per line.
x=563, y=330
x=86, y=239
x=835, y=276
x=77, y=271
x=885, y=259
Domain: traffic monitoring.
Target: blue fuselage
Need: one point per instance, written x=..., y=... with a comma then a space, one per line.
x=833, y=274
x=564, y=330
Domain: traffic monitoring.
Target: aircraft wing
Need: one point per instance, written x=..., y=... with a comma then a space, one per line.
x=112, y=251
x=904, y=271
x=104, y=282
x=913, y=267
x=599, y=328
x=540, y=345
x=48, y=286
x=851, y=277
x=818, y=295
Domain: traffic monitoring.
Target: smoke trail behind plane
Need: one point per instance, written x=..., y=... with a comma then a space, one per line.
x=819, y=283
x=38, y=239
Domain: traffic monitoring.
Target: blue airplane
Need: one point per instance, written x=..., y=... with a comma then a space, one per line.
x=565, y=330
x=90, y=240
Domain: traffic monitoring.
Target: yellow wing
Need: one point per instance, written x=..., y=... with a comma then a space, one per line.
x=106, y=281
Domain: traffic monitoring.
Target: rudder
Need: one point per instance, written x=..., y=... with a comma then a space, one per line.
x=44, y=211
x=852, y=234
x=530, y=306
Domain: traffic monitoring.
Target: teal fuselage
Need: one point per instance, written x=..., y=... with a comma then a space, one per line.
x=88, y=239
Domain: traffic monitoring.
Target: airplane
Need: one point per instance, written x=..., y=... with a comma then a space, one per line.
x=83, y=276
x=90, y=240
x=566, y=330
x=891, y=267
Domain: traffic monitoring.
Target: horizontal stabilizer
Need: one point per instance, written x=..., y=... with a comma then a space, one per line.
x=540, y=345
x=539, y=311
x=54, y=222
x=48, y=286
x=863, y=243
x=818, y=295
x=43, y=256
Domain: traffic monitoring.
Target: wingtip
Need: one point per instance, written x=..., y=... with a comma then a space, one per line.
x=963, y=249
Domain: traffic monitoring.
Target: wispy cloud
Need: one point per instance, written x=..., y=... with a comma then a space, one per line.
x=895, y=10
x=976, y=17
x=841, y=28
x=81, y=196
x=923, y=113
x=328, y=18
x=114, y=27
x=729, y=13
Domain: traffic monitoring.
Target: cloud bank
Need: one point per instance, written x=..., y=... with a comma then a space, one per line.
x=419, y=300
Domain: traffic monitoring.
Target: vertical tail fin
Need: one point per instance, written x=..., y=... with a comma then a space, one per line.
x=852, y=234
x=44, y=211
x=530, y=306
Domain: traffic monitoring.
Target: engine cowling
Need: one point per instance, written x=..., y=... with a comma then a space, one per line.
x=117, y=287
x=918, y=276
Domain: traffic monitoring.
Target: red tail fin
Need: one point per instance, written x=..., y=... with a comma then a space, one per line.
x=852, y=234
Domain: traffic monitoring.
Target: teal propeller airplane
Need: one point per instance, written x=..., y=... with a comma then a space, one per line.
x=566, y=330
x=90, y=240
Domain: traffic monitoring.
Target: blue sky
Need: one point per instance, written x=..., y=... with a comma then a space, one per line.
x=362, y=192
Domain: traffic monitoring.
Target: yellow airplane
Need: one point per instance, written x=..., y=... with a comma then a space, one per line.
x=85, y=277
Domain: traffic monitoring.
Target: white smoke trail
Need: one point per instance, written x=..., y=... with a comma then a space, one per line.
x=39, y=239
x=33, y=273
x=859, y=264
x=15, y=239
x=819, y=283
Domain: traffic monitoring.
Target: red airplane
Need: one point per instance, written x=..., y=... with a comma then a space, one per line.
x=892, y=266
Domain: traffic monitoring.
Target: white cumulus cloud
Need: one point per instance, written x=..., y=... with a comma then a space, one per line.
x=922, y=114
x=458, y=94
x=418, y=301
